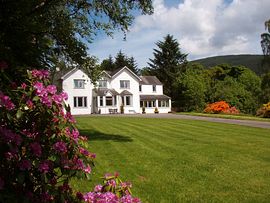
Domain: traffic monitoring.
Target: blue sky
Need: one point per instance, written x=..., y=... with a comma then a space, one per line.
x=218, y=27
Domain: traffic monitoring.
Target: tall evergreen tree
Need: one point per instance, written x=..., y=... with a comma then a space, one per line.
x=167, y=63
x=120, y=61
x=107, y=64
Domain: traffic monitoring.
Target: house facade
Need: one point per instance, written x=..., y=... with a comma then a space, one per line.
x=120, y=91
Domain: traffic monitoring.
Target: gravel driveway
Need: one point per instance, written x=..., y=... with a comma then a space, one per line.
x=258, y=124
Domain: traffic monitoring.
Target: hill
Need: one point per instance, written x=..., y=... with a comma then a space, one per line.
x=254, y=62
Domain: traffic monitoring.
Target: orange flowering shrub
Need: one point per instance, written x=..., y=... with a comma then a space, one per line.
x=221, y=107
x=264, y=111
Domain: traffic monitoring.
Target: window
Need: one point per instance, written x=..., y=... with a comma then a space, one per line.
x=100, y=101
x=128, y=101
x=140, y=88
x=151, y=104
x=79, y=84
x=108, y=101
x=80, y=101
x=102, y=83
x=154, y=88
x=124, y=84
x=141, y=104
x=163, y=103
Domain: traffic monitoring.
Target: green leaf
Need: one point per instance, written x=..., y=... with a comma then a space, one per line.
x=19, y=114
x=36, y=98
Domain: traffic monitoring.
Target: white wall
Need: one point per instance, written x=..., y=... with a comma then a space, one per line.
x=148, y=90
x=134, y=89
x=68, y=87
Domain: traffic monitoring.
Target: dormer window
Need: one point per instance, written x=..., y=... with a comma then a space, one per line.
x=154, y=88
x=124, y=84
x=102, y=83
x=79, y=84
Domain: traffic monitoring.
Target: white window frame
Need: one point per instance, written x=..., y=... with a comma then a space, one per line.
x=76, y=102
x=124, y=84
x=102, y=83
x=79, y=84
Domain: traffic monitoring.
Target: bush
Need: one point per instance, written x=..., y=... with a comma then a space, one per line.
x=264, y=111
x=220, y=107
x=40, y=146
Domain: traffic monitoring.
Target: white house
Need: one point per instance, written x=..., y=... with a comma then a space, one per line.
x=120, y=91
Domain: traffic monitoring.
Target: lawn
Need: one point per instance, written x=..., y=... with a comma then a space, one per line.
x=181, y=160
x=227, y=116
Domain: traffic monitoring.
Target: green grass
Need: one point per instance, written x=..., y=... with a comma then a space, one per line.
x=227, y=116
x=169, y=160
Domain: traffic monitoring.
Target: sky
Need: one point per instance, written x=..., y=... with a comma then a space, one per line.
x=203, y=28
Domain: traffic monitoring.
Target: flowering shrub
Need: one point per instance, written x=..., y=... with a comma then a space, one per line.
x=221, y=107
x=264, y=111
x=41, y=149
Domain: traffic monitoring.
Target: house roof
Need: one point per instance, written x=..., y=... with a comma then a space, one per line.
x=104, y=91
x=115, y=72
x=125, y=92
x=150, y=80
x=154, y=97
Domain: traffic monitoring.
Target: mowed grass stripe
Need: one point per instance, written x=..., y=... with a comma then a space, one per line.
x=182, y=161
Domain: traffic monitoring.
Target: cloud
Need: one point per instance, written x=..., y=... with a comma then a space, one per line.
x=203, y=29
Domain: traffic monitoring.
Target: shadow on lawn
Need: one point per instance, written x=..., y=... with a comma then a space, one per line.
x=96, y=135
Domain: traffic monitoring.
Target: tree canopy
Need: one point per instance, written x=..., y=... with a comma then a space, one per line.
x=121, y=60
x=265, y=42
x=32, y=31
x=168, y=61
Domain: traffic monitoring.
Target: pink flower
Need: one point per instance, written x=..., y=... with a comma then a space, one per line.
x=10, y=136
x=98, y=188
x=87, y=169
x=57, y=99
x=69, y=117
x=47, y=101
x=6, y=102
x=40, y=74
x=45, y=166
x=39, y=87
x=75, y=134
x=36, y=149
x=51, y=89
x=60, y=147
x=65, y=188
x=25, y=165
x=23, y=85
x=30, y=104
x=64, y=95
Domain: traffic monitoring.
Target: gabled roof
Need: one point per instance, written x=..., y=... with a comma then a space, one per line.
x=125, y=92
x=104, y=91
x=117, y=71
x=150, y=80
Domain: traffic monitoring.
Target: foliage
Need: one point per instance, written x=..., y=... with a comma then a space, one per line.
x=143, y=110
x=264, y=111
x=33, y=31
x=193, y=85
x=220, y=107
x=237, y=85
x=121, y=60
x=40, y=146
x=113, y=191
x=265, y=86
x=167, y=63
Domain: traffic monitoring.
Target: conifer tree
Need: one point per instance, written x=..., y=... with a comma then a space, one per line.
x=167, y=63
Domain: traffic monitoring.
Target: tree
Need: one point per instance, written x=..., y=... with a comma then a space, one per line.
x=121, y=60
x=107, y=64
x=193, y=85
x=167, y=63
x=34, y=30
x=265, y=97
x=265, y=42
